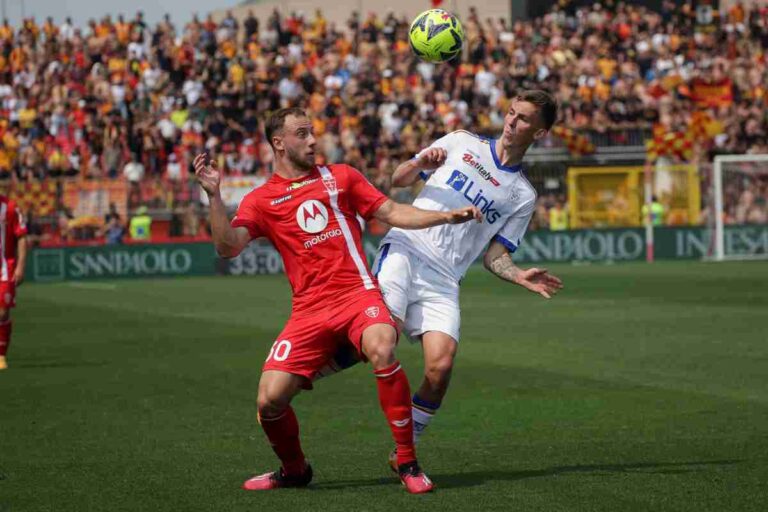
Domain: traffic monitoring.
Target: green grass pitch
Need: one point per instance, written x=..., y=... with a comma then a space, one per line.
x=639, y=387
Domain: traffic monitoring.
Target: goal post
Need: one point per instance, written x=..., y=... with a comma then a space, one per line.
x=736, y=180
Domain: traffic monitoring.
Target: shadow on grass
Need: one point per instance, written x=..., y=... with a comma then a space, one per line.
x=473, y=478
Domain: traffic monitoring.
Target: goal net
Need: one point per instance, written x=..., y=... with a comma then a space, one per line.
x=740, y=207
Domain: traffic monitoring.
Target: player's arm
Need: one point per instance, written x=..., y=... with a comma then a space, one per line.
x=21, y=260
x=407, y=173
x=406, y=216
x=229, y=241
x=498, y=261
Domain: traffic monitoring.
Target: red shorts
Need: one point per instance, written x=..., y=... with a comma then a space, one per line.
x=7, y=294
x=309, y=340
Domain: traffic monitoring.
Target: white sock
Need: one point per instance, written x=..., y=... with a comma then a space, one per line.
x=422, y=412
x=421, y=420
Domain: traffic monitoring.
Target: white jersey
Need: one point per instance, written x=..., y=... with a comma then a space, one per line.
x=471, y=175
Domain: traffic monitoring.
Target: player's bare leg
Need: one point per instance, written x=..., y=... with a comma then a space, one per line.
x=277, y=419
x=5, y=336
x=378, y=345
x=439, y=352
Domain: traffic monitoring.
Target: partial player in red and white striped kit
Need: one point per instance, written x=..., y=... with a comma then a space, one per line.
x=14, y=253
x=310, y=213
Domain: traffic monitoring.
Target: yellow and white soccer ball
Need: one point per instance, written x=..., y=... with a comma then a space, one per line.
x=436, y=36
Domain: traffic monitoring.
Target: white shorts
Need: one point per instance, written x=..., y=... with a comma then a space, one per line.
x=418, y=295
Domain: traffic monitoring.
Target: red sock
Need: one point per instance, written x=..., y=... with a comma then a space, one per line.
x=283, y=435
x=395, y=400
x=5, y=337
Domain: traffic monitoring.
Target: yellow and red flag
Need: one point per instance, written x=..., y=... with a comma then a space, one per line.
x=669, y=143
x=37, y=196
x=703, y=127
x=576, y=143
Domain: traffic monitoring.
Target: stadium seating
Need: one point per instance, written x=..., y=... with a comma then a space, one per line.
x=79, y=100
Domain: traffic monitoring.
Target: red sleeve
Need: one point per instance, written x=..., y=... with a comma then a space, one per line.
x=249, y=217
x=18, y=226
x=364, y=197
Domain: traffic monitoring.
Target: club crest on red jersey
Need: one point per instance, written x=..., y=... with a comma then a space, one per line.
x=312, y=216
x=330, y=184
x=372, y=311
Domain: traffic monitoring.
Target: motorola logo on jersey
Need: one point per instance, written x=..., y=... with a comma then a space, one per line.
x=322, y=237
x=312, y=216
x=470, y=160
x=460, y=182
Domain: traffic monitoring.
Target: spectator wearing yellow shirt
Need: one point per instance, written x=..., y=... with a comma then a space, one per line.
x=180, y=115
x=11, y=143
x=228, y=48
x=140, y=226
x=31, y=28
x=253, y=47
x=117, y=66
x=607, y=67
x=18, y=58
x=123, y=30
x=50, y=29
x=558, y=217
x=319, y=24
x=57, y=162
x=5, y=162
x=6, y=31
x=237, y=73
x=104, y=28
x=657, y=212
x=27, y=116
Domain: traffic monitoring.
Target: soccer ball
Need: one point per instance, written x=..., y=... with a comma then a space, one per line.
x=436, y=36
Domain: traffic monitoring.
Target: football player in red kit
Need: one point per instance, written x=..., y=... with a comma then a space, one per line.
x=13, y=254
x=310, y=213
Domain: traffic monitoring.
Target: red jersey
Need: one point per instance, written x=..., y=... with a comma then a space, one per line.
x=313, y=223
x=12, y=228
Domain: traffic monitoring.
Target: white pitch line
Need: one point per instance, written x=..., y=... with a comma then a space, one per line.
x=93, y=286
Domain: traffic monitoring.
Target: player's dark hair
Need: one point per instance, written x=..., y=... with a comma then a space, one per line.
x=276, y=120
x=546, y=103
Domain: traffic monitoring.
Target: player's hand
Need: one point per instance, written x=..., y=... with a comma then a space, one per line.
x=462, y=215
x=207, y=174
x=538, y=280
x=18, y=277
x=431, y=158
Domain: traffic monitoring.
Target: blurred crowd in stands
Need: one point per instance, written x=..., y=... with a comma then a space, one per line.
x=116, y=98
x=746, y=199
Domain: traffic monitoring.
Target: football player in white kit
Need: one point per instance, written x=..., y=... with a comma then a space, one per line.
x=419, y=271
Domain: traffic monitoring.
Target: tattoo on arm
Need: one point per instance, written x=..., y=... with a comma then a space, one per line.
x=504, y=268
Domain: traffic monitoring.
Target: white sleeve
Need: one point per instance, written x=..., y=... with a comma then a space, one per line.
x=511, y=233
x=445, y=142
